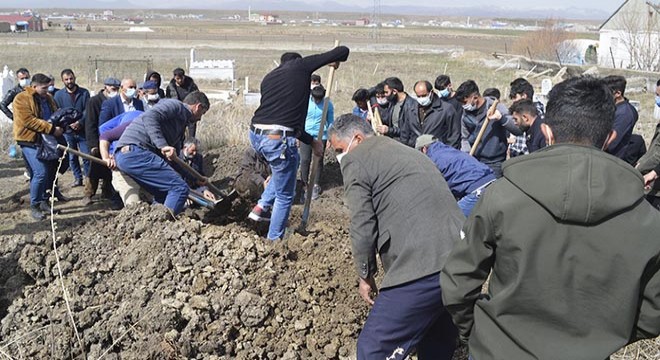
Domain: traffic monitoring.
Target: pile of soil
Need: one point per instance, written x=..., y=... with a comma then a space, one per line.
x=143, y=286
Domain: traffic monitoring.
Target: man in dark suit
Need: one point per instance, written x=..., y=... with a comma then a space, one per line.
x=126, y=101
x=401, y=209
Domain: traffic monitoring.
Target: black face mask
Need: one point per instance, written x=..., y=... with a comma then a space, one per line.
x=392, y=97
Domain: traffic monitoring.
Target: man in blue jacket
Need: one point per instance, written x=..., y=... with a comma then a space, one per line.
x=73, y=96
x=467, y=178
x=126, y=101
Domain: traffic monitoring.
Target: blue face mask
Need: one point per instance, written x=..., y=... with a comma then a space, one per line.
x=657, y=100
x=130, y=93
x=51, y=88
x=444, y=93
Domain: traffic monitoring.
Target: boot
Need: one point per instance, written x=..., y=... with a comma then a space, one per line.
x=87, y=200
x=45, y=207
x=35, y=212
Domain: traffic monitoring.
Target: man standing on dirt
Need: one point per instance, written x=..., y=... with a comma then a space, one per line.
x=74, y=96
x=96, y=171
x=570, y=245
x=153, y=138
x=31, y=109
x=277, y=125
x=402, y=211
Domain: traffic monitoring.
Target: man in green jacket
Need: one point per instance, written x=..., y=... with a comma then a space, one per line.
x=570, y=241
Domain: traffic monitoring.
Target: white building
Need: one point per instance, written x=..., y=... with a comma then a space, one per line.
x=630, y=38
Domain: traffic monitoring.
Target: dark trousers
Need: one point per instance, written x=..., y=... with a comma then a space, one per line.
x=406, y=317
x=306, y=163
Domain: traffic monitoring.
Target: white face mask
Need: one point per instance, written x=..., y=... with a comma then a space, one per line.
x=153, y=97
x=424, y=101
x=340, y=156
x=469, y=107
x=381, y=101
x=111, y=94
x=24, y=82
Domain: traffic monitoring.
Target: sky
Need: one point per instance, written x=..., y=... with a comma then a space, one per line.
x=603, y=5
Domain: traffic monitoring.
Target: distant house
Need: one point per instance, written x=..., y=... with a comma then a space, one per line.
x=23, y=23
x=630, y=38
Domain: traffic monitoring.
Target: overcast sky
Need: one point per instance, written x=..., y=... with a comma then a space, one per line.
x=603, y=5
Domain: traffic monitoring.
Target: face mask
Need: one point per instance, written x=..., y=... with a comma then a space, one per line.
x=444, y=93
x=381, y=101
x=657, y=100
x=24, y=82
x=111, y=94
x=130, y=93
x=424, y=101
x=153, y=97
x=392, y=98
x=340, y=156
x=469, y=107
x=51, y=88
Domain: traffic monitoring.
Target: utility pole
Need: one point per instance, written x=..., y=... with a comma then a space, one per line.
x=375, y=19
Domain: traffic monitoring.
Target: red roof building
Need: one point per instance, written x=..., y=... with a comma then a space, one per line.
x=23, y=23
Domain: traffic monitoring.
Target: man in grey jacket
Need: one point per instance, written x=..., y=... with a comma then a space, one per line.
x=402, y=211
x=156, y=136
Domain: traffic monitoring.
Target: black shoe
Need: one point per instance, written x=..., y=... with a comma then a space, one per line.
x=44, y=206
x=35, y=212
x=116, y=203
x=61, y=198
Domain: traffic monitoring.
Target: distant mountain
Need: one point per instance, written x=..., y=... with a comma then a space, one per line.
x=329, y=6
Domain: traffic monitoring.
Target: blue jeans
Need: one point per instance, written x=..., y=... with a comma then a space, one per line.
x=467, y=202
x=77, y=142
x=155, y=175
x=283, y=159
x=43, y=174
x=406, y=317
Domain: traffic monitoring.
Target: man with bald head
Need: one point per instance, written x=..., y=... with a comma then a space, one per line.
x=126, y=101
x=433, y=117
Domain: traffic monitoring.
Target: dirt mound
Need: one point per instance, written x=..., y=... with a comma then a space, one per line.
x=145, y=287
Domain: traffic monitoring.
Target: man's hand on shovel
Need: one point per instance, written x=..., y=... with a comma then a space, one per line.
x=168, y=152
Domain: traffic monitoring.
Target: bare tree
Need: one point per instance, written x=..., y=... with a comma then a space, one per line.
x=548, y=43
x=640, y=34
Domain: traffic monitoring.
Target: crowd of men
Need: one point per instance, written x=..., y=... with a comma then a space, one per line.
x=556, y=204
x=454, y=187
x=136, y=131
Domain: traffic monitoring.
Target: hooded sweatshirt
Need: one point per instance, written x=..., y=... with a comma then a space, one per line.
x=574, y=254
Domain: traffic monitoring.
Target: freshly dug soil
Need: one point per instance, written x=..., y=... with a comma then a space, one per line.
x=143, y=286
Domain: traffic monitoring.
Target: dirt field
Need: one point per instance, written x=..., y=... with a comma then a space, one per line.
x=143, y=287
